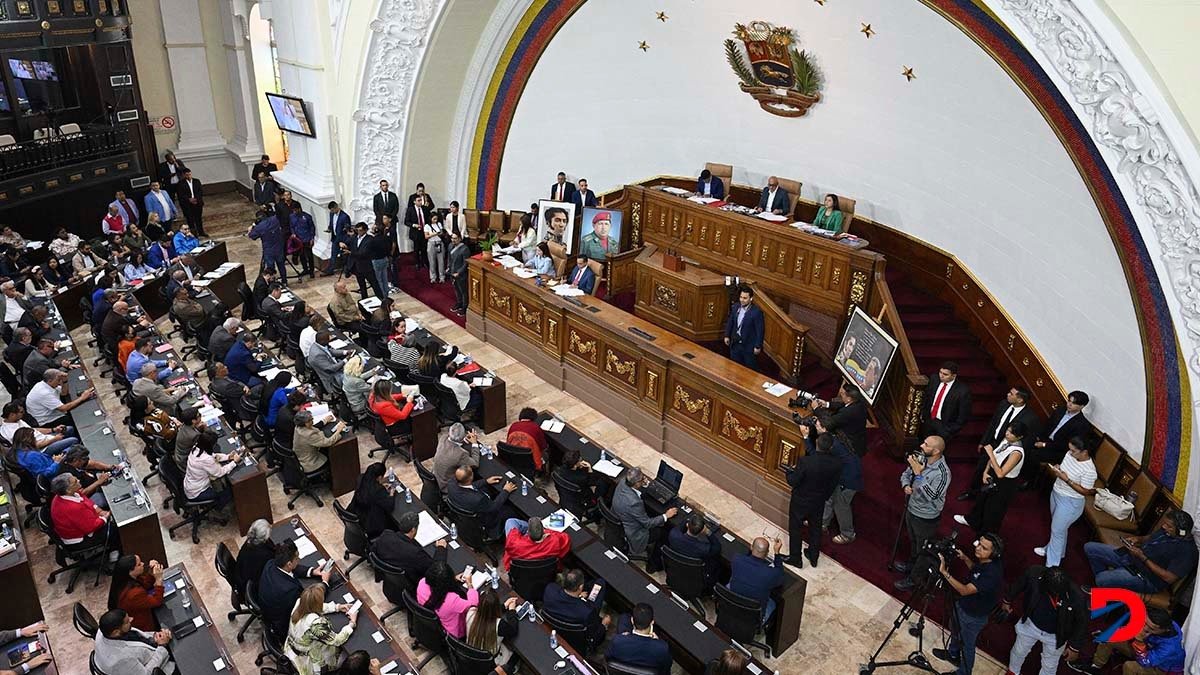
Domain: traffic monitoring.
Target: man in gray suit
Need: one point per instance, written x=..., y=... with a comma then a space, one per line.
x=222, y=338
x=628, y=507
x=121, y=648
x=459, y=252
x=327, y=364
x=147, y=385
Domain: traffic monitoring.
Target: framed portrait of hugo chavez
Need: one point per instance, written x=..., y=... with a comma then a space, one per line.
x=600, y=233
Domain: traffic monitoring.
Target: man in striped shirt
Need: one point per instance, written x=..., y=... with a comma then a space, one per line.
x=925, y=481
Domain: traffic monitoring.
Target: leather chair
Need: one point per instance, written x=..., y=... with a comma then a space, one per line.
x=194, y=511
x=1144, y=485
x=574, y=498
x=618, y=668
x=84, y=622
x=354, y=537
x=517, y=458
x=467, y=660
x=613, y=533
x=431, y=492
x=685, y=578
x=395, y=584
x=71, y=559
x=722, y=171
x=846, y=206
x=529, y=578
x=514, y=221
x=426, y=629
x=496, y=220
x=575, y=634
x=472, y=531
x=793, y=189
x=740, y=618
x=226, y=566
x=471, y=216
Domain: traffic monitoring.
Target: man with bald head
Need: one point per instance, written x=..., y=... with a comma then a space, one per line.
x=774, y=199
x=344, y=308
x=472, y=496
x=114, y=324
x=926, y=481
x=223, y=337
x=754, y=576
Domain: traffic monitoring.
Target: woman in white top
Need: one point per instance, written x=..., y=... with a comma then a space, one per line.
x=205, y=466
x=36, y=285
x=435, y=247
x=489, y=624
x=312, y=645
x=526, y=240
x=1076, y=480
x=1000, y=482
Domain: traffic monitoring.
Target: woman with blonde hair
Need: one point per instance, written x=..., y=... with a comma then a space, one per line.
x=312, y=645
x=355, y=385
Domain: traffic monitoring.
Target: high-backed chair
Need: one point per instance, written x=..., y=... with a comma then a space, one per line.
x=793, y=190
x=576, y=634
x=1145, y=487
x=496, y=220
x=467, y=660
x=73, y=559
x=846, y=206
x=426, y=629
x=529, y=578
x=472, y=218
x=353, y=536
x=395, y=584
x=7, y=140
x=517, y=458
x=68, y=129
x=84, y=622
x=227, y=567
x=685, y=577
x=740, y=618
x=722, y=171
x=431, y=492
x=513, y=224
x=472, y=531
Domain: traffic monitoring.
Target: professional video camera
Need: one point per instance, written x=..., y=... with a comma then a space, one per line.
x=804, y=401
x=945, y=546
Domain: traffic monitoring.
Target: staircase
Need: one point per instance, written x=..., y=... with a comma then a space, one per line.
x=937, y=335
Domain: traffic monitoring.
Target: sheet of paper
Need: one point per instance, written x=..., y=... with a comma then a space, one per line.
x=377, y=636
x=339, y=344
x=607, y=468
x=305, y=547
x=703, y=200
x=218, y=664
x=675, y=190
x=270, y=373
x=479, y=578
x=428, y=529
x=214, y=274
x=778, y=389
x=370, y=303
x=568, y=291
x=198, y=621
x=201, y=283
x=286, y=297
x=411, y=324
x=485, y=381
x=772, y=217
x=553, y=426
x=524, y=273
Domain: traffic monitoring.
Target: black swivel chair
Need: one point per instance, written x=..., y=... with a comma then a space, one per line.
x=740, y=618
x=529, y=577
x=685, y=578
x=194, y=511
x=73, y=559
x=467, y=660
x=431, y=492
x=472, y=531
x=517, y=458
x=227, y=568
x=398, y=444
x=576, y=634
x=426, y=629
x=84, y=622
x=354, y=537
x=395, y=584
x=618, y=668
x=613, y=533
x=296, y=479
x=579, y=501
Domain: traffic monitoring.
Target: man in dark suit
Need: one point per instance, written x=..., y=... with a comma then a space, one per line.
x=358, y=259
x=754, y=576
x=562, y=190
x=584, y=198
x=459, y=252
x=1012, y=409
x=774, y=198
x=848, y=417
x=415, y=218
x=744, y=329
x=691, y=539
x=422, y=195
x=385, y=201
x=279, y=587
x=710, y=186
x=401, y=550
x=170, y=173
x=812, y=481
x=578, y=602
x=472, y=496
x=191, y=202
x=1067, y=422
x=264, y=165
x=265, y=189
x=340, y=231
x=582, y=276
x=947, y=404
x=635, y=643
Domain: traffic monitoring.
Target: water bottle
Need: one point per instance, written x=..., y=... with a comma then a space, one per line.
x=7, y=531
x=553, y=639
x=187, y=599
x=453, y=532
x=495, y=577
x=524, y=487
x=603, y=455
x=407, y=495
x=1131, y=497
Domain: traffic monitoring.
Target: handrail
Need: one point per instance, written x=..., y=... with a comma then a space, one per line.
x=904, y=385
x=785, y=340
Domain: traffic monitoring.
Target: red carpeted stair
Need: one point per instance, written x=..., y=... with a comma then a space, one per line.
x=438, y=297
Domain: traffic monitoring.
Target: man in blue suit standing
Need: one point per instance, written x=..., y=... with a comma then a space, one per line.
x=710, y=185
x=158, y=201
x=774, y=198
x=339, y=231
x=744, y=329
x=270, y=232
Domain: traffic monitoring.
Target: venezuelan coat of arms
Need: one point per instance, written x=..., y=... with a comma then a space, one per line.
x=784, y=79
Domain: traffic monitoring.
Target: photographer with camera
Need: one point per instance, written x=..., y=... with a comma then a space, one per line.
x=812, y=481
x=977, y=598
x=850, y=481
x=847, y=416
x=925, y=481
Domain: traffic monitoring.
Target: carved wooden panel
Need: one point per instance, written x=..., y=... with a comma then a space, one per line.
x=692, y=404
x=500, y=301
x=529, y=317
x=743, y=431
x=583, y=346
x=621, y=367
x=653, y=389
x=550, y=338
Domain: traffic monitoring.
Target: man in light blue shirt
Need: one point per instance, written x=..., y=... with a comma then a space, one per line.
x=140, y=356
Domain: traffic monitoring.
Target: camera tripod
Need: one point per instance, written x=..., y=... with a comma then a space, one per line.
x=932, y=585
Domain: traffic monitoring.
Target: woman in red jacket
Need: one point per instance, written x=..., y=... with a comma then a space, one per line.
x=138, y=589
x=392, y=408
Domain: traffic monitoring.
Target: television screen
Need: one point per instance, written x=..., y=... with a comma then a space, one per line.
x=21, y=69
x=290, y=114
x=44, y=70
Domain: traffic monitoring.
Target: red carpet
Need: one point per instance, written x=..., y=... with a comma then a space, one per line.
x=415, y=282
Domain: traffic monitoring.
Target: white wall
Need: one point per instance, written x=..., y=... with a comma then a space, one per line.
x=958, y=157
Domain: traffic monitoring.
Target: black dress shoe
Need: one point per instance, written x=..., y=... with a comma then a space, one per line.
x=794, y=561
x=1082, y=666
x=904, y=584
x=901, y=568
x=945, y=655
x=966, y=494
x=812, y=560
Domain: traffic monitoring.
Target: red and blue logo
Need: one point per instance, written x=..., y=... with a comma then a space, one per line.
x=1128, y=608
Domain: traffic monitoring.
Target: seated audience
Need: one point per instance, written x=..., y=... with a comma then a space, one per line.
x=19, y=349
x=373, y=500
x=526, y=433
x=635, y=643
x=147, y=385
x=121, y=648
x=1149, y=563
x=755, y=577
x=390, y=405
x=274, y=397
x=243, y=366
x=190, y=312
x=449, y=596
x=224, y=387
x=578, y=472
x=359, y=662
x=76, y=520
x=312, y=645
x=344, y=307
x=432, y=362
x=285, y=422
x=694, y=540
x=1156, y=650
x=489, y=624
x=192, y=425
x=400, y=346
x=399, y=547
x=143, y=348
x=355, y=386
x=137, y=588
x=829, y=215
x=255, y=554
x=308, y=441
x=458, y=448
x=24, y=452
x=125, y=347
x=578, y=603
x=532, y=541
x=326, y=363
x=467, y=396
x=153, y=421
x=223, y=337
x=731, y=662
x=204, y=467
x=278, y=588
x=45, y=400
x=50, y=440
x=628, y=507
x=541, y=261
x=78, y=463
x=472, y=496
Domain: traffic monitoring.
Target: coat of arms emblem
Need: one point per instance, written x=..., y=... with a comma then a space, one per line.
x=783, y=79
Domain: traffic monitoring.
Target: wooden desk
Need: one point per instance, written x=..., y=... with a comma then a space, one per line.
x=198, y=652
x=251, y=499
x=21, y=606
x=150, y=292
x=424, y=433
x=344, y=468
x=669, y=392
x=692, y=303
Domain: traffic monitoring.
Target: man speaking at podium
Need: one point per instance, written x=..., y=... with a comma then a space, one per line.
x=744, y=329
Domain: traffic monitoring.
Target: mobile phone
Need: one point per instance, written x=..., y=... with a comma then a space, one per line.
x=327, y=566
x=595, y=592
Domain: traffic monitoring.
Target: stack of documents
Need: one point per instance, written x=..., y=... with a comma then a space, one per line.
x=609, y=467
x=772, y=217
x=553, y=426
x=568, y=291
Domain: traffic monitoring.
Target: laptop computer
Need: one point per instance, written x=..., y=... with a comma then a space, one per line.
x=665, y=487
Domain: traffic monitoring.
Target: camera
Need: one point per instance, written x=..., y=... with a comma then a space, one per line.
x=943, y=546
x=809, y=421
x=917, y=456
x=804, y=399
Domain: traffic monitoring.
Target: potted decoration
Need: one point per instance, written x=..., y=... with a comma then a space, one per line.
x=486, y=245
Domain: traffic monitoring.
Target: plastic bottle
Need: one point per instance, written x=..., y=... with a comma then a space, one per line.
x=407, y=495
x=553, y=639
x=453, y=532
x=524, y=487
x=603, y=455
x=495, y=578
x=7, y=531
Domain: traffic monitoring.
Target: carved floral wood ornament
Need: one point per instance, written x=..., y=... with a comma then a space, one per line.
x=783, y=79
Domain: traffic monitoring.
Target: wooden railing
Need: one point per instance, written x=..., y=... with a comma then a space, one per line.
x=785, y=340
x=898, y=409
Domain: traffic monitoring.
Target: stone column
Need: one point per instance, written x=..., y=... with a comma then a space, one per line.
x=246, y=145
x=199, y=137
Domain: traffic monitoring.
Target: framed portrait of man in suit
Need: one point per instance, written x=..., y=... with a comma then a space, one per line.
x=600, y=233
x=556, y=223
x=864, y=354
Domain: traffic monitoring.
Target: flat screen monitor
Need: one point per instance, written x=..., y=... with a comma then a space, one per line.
x=290, y=114
x=21, y=69
x=44, y=70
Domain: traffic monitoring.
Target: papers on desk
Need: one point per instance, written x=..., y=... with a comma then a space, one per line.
x=411, y=324
x=370, y=304
x=201, y=283
x=270, y=373
x=446, y=351
x=34, y=245
x=508, y=262
x=339, y=344
x=163, y=348
x=62, y=344
x=215, y=274
x=305, y=547
x=766, y=215
x=609, y=467
x=703, y=200
x=428, y=529
x=461, y=358
x=568, y=291
x=485, y=381
x=524, y=273
x=209, y=413
x=553, y=426
x=777, y=389
x=285, y=297
x=479, y=578
x=567, y=517
x=320, y=412
x=674, y=190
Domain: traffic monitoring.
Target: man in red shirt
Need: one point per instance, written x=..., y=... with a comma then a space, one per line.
x=526, y=433
x=532, y=542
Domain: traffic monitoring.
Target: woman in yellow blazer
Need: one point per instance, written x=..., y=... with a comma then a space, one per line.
x=829, y=218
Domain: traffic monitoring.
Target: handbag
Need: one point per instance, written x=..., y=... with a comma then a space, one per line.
x=294, y=244
x=1114, y=505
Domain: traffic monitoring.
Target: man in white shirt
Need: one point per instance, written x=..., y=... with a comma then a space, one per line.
x=45, y=400
x=14, y=304
x=308, y=336
x=50, y=440
x=469, y=399
x=774, y=198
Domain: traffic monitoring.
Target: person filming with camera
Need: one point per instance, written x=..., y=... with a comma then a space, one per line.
x=977, y=597
x=926, y=481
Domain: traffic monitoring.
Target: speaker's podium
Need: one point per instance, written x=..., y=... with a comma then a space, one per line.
x=687, y=299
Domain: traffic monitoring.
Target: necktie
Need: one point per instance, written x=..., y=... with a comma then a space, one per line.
x=1061, y=422
x=560, y=193
x=128, y=212
x=420, y=216
x=1004, y=422
x=578, y=275
x=937, y=401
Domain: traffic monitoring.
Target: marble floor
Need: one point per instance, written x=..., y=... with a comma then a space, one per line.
x=845, y=617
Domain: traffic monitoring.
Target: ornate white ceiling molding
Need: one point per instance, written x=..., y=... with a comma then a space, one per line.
x=398, y=37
